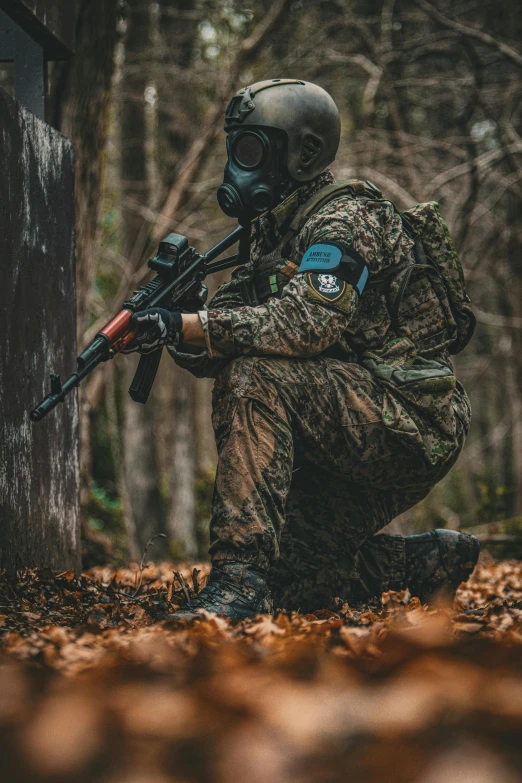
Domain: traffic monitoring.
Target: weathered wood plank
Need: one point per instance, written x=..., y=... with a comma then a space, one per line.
x=49, y=22
x=39, y=463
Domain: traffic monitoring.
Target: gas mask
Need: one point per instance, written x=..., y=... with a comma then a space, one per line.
x=256, y=178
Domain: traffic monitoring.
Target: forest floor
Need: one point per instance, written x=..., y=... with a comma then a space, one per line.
x=99, y=683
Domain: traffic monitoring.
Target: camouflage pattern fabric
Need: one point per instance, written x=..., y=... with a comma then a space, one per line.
x=425, y=221
x=438, y=561
x=329, y=419
x=312, y=464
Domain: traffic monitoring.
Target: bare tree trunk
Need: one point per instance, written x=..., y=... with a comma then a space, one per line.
x=140, y=465
x=177, y=121
x=121, y=475
x=81, y=102
x=181, y=516
x=514, y=377
x=514, y=457
x=79, y=107
x=142, y=480
x=192, y=150
x=513, y=288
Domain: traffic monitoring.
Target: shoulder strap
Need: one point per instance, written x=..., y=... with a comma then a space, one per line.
x=354, y=188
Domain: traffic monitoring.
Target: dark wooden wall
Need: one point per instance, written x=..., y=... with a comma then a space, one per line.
x=51, y=23
x=39, y=518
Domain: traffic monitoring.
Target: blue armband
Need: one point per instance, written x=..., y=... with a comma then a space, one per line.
x=334, y=259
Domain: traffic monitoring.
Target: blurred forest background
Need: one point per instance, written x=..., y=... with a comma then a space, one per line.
x=430, y=95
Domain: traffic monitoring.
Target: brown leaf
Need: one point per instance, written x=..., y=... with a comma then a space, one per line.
x=468, y=627
x=67, y=575
x=100, y=690
x=32, y=615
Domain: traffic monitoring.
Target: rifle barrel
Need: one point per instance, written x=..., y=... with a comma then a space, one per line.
x=52, y=400
x=98, y=350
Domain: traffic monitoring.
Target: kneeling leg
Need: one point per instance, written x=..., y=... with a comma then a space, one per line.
x=328, y=548
x=252, y=482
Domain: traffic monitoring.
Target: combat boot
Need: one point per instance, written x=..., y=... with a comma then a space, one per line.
x=437, y=562
x=237, y=590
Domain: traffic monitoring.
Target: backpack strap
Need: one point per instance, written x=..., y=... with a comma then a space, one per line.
x=354, y=188
x=395, y=278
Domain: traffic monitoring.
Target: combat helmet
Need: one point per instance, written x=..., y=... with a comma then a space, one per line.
x=303, y=111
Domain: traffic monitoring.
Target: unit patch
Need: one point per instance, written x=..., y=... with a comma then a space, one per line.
x=329, y=287
x=332, y=258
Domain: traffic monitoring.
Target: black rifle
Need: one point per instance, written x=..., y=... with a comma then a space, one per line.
x=179, y=283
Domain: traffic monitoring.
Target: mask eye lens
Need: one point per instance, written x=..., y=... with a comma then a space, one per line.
x=248, y=151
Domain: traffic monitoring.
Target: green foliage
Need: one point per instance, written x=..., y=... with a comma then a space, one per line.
x=502, y=538
x=103, y=468
x=204, y=489
x=494, y=500
x=108, y=270
x=448, y=503
x=410, y=112
x=512, y=527
x=175, y=551
x=464, y=502
x=105, y=511
x=105, y=522
x=512, y=549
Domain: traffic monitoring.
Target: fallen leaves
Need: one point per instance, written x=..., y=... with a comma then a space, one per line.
x=100, y=682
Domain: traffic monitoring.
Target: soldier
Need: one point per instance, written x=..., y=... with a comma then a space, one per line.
x=335, y=404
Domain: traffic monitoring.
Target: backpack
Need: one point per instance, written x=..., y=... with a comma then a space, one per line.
x=434, y=255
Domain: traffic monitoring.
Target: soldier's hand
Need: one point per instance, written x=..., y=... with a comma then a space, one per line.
x=155, y=327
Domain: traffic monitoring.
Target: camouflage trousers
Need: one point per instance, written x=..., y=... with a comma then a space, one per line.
x=315, y=457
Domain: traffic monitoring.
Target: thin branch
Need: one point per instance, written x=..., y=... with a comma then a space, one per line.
x=509, y=183
x=483, y=162
x=387, y=25
x=142, y=564
x=156, y=223
x=374, y=72
x=471, y=32
x=396, y=119
x=251, y=44
x=191, y=165
x=197, y=153
x=491, y=319
x=399, y=194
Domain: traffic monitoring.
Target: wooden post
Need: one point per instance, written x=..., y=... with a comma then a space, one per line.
x=39, y=473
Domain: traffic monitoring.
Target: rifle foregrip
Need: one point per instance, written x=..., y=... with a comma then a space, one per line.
x=144, y=376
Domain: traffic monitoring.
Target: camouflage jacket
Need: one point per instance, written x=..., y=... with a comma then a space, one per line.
x=296, y=321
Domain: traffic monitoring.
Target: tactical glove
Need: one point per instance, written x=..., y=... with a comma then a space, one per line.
x=155, y=327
